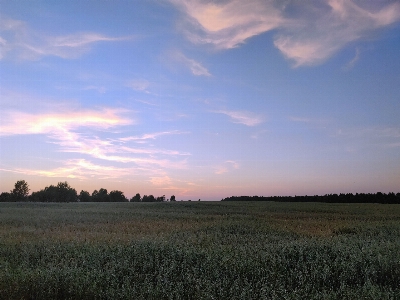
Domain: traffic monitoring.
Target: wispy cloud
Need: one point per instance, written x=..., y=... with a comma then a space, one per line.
x=351, y=63
x=161, y=180
x=16, y=122
x=76, y=168
x=307, y=120
x=100, y=89
x=242, y=117
x=370, y=132
x=152, y=151
x=194, y=66
x=69, y=130
x=150, y=136
x=331, y=28
x=24, y=43
x=229, y=23
x=257, y=134
x=140, y=85
x=307, y=33
x=227, y=166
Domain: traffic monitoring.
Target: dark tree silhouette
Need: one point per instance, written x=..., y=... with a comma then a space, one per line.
x=149, y=198
x=172, y=198
x=136, y=198
x=100, y=196
x=20, y=191
x=84, y=196
x=117, y=196
x=160, y=199
x=63, y=192
x=379, y=197
x=5, y=197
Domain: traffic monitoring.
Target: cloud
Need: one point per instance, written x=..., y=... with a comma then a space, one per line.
x=242, y=117
x=331, y=29
x=16, y=122
x=370, y=132
x=195, y=67
x=227, y=166
x=20, y=41
x=152, y=151
x=351, y=63
x=77, y=168
x=308, y=120
x=67, y=130
x=227, y=24
x=150, y=136
x=164, y=180
x=257, y=134
x=100, y=89
x=307, y=33
x=140, y=85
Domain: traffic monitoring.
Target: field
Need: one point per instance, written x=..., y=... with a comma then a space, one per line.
x=199, y=250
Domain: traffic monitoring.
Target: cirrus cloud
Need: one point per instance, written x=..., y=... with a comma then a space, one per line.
x=19, y=40
x=16, y=122
x=242, y=117
x=194, y=66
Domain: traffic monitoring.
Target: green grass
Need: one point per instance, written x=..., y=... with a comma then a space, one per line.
x=199, y=250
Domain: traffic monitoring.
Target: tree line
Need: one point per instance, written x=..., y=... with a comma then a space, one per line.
x=390, y=198
x=63, y=192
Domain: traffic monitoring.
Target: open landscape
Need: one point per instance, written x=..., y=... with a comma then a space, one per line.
x=199, y=250
x=199, y=149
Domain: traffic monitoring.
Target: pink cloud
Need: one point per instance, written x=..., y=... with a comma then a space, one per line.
x=306, y=34
x=16, y=122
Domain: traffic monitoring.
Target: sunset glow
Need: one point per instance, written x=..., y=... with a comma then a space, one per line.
x=201, y=99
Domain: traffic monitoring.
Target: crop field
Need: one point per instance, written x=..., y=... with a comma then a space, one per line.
x=199, y=250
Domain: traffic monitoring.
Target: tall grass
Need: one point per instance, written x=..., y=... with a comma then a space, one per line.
x=199, y=251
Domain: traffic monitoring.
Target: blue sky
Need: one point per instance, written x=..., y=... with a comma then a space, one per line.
x=201, y=99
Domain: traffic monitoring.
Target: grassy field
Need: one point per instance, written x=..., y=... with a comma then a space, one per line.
x=199, y=250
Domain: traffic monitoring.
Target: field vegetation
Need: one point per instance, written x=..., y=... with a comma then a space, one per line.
x=199, y=250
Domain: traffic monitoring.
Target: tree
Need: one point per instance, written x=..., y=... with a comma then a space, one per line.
x=136, y=198
x=161, y=199
x=117, y=196
x=84, y=196
x=149, y=198
x=5, y=197
x=172, y=198
x=20, y=191
x=100, y=196
x=62, y=192
x=65, y=193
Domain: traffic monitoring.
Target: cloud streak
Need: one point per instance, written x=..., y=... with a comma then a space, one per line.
x=243, y=117
x=140, y=85
x=67, y=130
x=194, y=66
x=16, y=122
x=76, y=169
x=20, y=41
x=150, y=136
x=226, y=167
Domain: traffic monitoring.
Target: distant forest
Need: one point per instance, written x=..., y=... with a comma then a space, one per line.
x=63, y=192
x=390, y=198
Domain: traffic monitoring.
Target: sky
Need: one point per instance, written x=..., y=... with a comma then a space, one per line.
x=201, y=99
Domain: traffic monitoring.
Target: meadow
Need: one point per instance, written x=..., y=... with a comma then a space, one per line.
x=199, y=250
